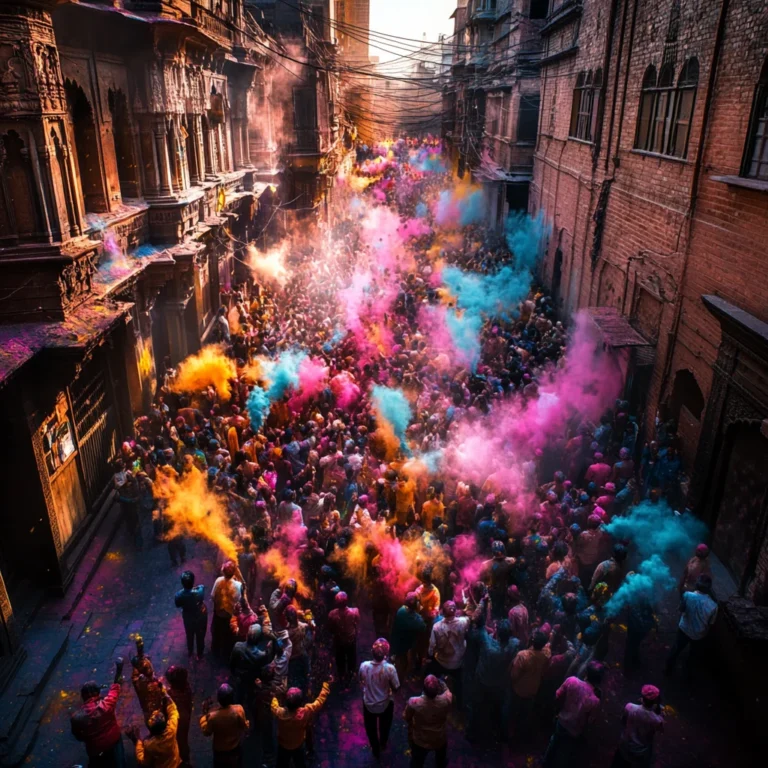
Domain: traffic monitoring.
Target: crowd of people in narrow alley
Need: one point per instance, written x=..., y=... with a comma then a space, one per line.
x=457, y=495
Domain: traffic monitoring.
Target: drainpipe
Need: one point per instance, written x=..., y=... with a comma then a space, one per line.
x=626, y=81
x=603, y=86
x=616, y=82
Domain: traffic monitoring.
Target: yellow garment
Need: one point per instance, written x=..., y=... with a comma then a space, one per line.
x=429, y=511
x=161, y=751
x=292, y=724
x=232, y=441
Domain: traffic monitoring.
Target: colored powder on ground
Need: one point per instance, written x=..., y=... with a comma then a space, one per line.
x=208, y=367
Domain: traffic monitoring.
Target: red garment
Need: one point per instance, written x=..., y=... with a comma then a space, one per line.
x=95, y=723
x=343, y=624
x=465, y=515
x=599, y=474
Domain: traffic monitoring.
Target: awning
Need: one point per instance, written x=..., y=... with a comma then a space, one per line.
x=615, y=329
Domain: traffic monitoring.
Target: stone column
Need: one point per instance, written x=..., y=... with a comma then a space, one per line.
x=165, y=180
x=196, y=134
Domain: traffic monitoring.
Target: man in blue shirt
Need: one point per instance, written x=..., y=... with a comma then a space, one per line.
x=698, y=613
x=191, y=600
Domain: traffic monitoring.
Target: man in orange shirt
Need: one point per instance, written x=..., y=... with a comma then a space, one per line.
x=431, y=509
x=292, y=722
x=227, y=724
x=527, y=673
x=160, y=750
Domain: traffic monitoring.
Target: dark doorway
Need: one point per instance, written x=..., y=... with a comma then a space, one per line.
x=87, y=148
x=20, y=216
x=743, y=483
x=686, y=406
x=557, y=277
x=517, y=196
x=125, y=153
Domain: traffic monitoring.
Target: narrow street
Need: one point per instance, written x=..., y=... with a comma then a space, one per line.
x=132, y=593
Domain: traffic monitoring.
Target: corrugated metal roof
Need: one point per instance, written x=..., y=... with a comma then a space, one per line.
x=615, y=328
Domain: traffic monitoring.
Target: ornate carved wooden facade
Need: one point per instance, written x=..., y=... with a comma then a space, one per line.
x=124, y=147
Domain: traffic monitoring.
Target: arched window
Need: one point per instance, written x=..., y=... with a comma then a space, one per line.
x=755, y=164
x=662, y=113
x=645, y=115
x=664, y=118
x=685, y=98
x=584, y=108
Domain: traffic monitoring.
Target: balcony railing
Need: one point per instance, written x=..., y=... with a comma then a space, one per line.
x=211, y=24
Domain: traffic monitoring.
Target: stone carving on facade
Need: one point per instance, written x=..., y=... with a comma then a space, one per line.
x=75, y=281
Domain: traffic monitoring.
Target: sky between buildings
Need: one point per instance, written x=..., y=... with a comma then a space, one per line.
x=411, y=19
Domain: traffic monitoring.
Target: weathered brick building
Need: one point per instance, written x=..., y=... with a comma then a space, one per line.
x=309, y=124
x=650, y=168
x=127, y=192
x=493, y=106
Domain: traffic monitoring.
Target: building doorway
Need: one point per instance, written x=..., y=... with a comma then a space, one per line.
x=87, y=149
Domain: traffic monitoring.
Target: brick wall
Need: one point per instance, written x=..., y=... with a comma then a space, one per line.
x=652, y=218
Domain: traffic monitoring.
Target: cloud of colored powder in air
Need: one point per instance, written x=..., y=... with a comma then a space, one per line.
x=282, y=376
x=392, y=406
x=193, y=509
x=208, y=367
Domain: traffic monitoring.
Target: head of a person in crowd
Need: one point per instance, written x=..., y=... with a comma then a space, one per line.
x=503, y=632
x=650, y=695
x=380, y=649
x=90, y=690
x=225, y=695
x=426, y=576
x=449, y=609
x=341, y=601
x=432, y=687
x=513, y=594
x=255, y=633
x=294, y=698
x=411, y=601
x=499, y=550
x=290, y=588
x=540, y=639
x=704, y=584
x=157, y=723
x=177, y=676
x=187, y=579
x=702, y=551
x=595, y=672
x=291, y=616
x=228, y=569
x=620, y=553
x=593, y=522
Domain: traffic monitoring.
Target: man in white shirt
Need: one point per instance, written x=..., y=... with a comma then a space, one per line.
x=226, y=594
x=447, y=646
x=379, y=681
x=698, y=613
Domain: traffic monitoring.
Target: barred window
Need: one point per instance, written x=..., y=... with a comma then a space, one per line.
x=755, y=164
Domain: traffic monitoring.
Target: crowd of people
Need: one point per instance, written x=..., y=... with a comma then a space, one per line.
x=496, y=619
